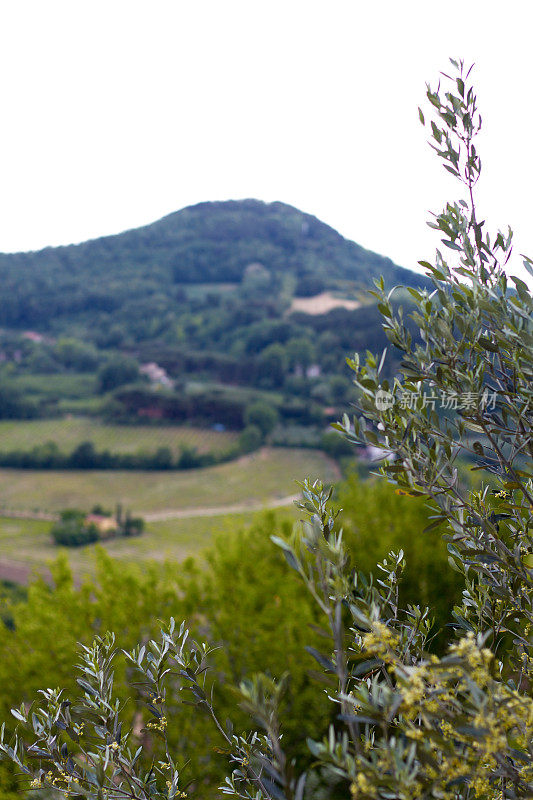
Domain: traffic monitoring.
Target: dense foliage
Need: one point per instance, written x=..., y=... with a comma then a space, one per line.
x=39, y=643
x=75, y=528
x=71, y=530
x=206, y=295
x=375, y=519
x=228, y=363
x=207, y=243
x=84, y=456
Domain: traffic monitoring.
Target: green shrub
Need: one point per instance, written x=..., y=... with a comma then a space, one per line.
x=41, y=645
x=376, y=519
x=261, y=416
x=250, y=439
x=251, y=605
x=71, y=533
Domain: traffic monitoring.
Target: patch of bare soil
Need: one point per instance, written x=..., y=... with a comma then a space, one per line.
x=15, y=571
x=322, y=303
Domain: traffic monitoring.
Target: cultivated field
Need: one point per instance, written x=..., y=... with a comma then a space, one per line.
x=68, y=433
x=266, y=475
x=26, y=547
x=183, y=509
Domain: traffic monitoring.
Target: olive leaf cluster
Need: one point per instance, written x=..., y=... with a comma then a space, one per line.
x=81, y=748
x=464, y=392
x=406, y=723
x=409, y=724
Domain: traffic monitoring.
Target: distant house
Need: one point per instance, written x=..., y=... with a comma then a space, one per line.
x=156, y=374
x=313, y=371
x=107, y=526
x=33, y=336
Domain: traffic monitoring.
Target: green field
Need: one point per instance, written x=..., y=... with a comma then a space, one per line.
x=56, y=385
x=262, y=476
x=207, y=494
x=69, y=432
x=26, y=546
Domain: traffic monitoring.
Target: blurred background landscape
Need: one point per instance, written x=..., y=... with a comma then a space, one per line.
x=188, y=368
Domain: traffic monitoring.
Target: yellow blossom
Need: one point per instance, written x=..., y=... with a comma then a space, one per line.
x=361, y=786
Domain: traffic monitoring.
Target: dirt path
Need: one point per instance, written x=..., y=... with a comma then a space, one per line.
x=20, y=572
x=177, y=513
x=217, y=511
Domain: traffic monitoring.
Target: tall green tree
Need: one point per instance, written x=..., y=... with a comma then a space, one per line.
x=273, y=365
x=262, y=416
x=118, y=371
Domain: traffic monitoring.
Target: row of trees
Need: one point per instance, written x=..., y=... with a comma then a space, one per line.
x=85, y=456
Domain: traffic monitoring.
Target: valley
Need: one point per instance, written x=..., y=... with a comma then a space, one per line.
x=187, y=371
x=182, y=509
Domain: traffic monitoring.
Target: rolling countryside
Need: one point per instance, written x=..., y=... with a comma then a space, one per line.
x=154, y=370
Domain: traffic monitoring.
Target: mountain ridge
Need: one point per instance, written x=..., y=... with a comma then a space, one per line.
x=145, y=270
x=204, y=294
x=171, y=224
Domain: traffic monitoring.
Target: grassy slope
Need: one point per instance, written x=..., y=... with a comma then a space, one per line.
x=68, y=433
x=26, y=544
x=262, y=476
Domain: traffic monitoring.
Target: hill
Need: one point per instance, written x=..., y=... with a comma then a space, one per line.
x=209, y=243
x=192, y=319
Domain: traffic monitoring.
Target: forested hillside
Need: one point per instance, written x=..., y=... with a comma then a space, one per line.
x=206, y=243
x=193, y=318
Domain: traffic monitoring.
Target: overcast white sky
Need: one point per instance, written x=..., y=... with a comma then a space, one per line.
x=116, y=113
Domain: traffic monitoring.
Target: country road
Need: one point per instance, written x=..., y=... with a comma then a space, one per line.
x=217, y=511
